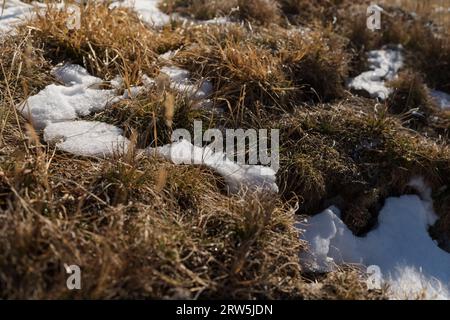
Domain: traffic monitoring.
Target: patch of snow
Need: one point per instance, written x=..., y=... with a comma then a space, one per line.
x=16, y=12
x=57, y=103
x=384, y=66
x=147, y=10
x=54, y=109
x=217, y=21
x=418, y=183
x=441, y=98
x=72, y=74
x=169, y=55
x=442, y=9
x=181, y=82
x=132, y=92
x=411, y=262
x=117, y=82
x=177, y=75
x=147, y=81
x=235, y=175
x=13, y=13
x=86, y=138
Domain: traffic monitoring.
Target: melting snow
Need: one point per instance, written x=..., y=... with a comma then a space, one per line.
x=72, y=74
x=441, y=98
x=147, y=10
x=56, y=108
x=384, y=65
x=77, y=97
x=16, y=11
x=86, y=138
x=169, y=55
x=411, y=262
x=235, y=175
x=180, y=81
x=13, y=13
x=217, y=21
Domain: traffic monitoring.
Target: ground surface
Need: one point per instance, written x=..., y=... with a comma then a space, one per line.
x=140, y=226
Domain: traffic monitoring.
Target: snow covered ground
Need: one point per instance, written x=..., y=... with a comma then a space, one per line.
x=180, y=81
x=86, y=138
x=400, y=245
x=57, y=108
x=16, y=11
x=147, y=10
x=442, y=99
x=384, y=65
x=13, y=13
x=78, y=96
x=235, y=175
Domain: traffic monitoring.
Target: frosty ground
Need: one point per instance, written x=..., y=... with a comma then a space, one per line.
x=90, y=176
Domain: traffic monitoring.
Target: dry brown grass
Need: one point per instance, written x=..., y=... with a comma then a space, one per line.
x=263, y=12
x=409, y=93
x=424, y=34
x=186, y=241
x=239, y=69
x=137, y=237
x=412, y=103
x=133, y=235
x=138, y=227
x=433, y=9
x=344, y=284
x=143, y=228
x=425, y=39
x=260, y=11
x=109, y=43
x=146, y=117
x=199, y=9
x=267, y=68
x=413, y=106
x=350, y=156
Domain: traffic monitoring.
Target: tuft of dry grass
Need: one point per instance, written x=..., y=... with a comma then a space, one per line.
x=409, y=93
x=23, y=68
x=263, y=12
x=265, y=68
x=348, y=156
x=420, y=32
x=199, y=9
x=133, y=238
x=241, y=70
x=304, y=12
x=316, y=62
x=147, y=117
x=411, y=101
x=343, y=284
x=109, y=42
